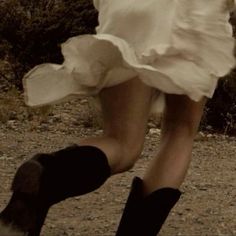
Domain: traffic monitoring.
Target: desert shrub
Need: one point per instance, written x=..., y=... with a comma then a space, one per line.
x=220, y=111
x=31, y=31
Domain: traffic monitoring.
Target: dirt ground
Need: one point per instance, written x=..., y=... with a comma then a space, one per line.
x=207, y=206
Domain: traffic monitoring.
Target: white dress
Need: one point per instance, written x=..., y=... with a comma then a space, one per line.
x=175, y=46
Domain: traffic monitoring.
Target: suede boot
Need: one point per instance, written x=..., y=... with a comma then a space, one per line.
x=144, y=216
x=47, y=179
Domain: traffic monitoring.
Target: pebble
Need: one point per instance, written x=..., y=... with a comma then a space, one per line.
x=43, y=127
x=84, y=102
x=154, y=131
x=151, y=125
x=56, y=118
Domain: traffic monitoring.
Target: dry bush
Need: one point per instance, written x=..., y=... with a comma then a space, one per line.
x=31, y=31
x=9, y=106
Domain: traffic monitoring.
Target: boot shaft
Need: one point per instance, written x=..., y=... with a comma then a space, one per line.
x=144, y=216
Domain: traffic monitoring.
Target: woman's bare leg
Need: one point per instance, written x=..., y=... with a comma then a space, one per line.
x=152, y=198
x=47, y=179
x=180, y=124
x=125, y=110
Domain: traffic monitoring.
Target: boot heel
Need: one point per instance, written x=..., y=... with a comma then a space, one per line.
x=27, y=178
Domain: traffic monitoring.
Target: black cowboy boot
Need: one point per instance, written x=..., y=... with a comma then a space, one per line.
x=144, y=216
x=47, y=179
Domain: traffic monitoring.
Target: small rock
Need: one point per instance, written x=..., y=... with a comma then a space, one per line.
x=11, y=124
x=56, y=118
x=209, y=135
x=154, y=131
x=151, y=125
x=84, y=102
x=99, y=132
x=43, y=127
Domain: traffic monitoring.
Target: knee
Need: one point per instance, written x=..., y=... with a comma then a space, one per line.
x=129, y=159
x=121, y=153
x=129, y=153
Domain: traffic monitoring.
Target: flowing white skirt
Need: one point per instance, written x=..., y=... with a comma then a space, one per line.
x=175, y=46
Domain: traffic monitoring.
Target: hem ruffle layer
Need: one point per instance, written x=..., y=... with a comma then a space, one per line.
x=198, y=51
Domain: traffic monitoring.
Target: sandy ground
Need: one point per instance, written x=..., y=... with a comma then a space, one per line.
x=207, y=206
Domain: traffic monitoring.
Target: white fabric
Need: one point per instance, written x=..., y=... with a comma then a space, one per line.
x=175, y=46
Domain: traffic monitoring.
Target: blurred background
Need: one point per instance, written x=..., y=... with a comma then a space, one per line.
x=31, y=32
